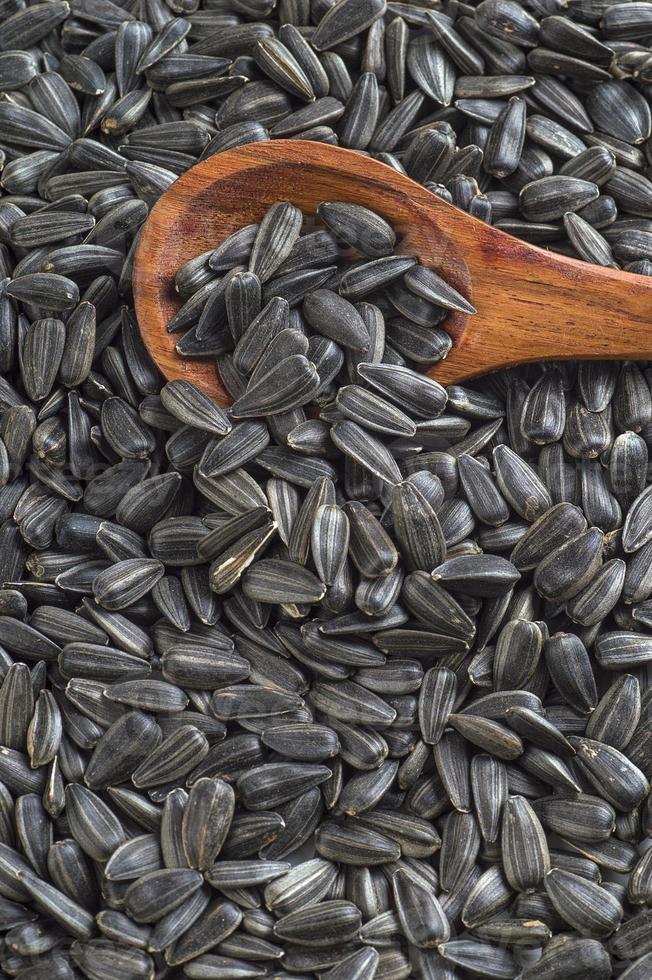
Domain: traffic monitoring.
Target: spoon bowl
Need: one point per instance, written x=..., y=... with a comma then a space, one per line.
x=532, y=305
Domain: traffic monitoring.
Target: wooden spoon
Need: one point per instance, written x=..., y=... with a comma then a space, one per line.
x=532, y=305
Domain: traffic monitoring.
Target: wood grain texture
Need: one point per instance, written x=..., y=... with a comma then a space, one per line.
x=532, y=305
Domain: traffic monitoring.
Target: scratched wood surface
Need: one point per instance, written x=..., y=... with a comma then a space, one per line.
x=532, y=305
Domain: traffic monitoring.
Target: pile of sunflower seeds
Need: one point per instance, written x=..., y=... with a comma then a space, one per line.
x=350, y=691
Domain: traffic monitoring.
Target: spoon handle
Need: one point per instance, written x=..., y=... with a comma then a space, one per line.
x=534, y=305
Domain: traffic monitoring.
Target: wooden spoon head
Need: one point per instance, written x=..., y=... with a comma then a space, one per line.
x=233, y=189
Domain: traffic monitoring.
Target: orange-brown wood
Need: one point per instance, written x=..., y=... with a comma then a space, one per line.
x=532, y=305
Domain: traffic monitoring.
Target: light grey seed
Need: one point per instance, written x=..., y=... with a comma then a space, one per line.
x=263, y=328
x=436, y=701
x=633, y=939
x=489, y=786
x=361, y=279
x=570, y=567
x=193, y=407
x=288, y=384
x=206, y=820
x=276, y=235
x=371, y=549
x=345, y=20
x=551, y=197
x=584, y=905
x=615, y=777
